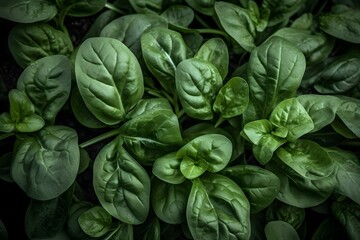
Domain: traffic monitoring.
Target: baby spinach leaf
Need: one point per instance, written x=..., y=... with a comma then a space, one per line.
x=210, y=152
x=290, y=114
x=109, y=78
x=342, y=22
x=284, y=212
x=274, y=74
x=122, y=231
x=95, y=222
x=169, y=200
x=179, y=15
x=72, y=225
x=163, y=50
x=152, y=132
x=6, y=123
x=340, y=76
x=281, y=10
x=47, y=83
x=45, y=219
x=329, y=229
x=152, y=231
x=280, y=230
x=217, y=209
x=258, y=184
x=81, y=8
x=30, y=42
x=46, y=164
x=215, y=51
x=197, y=83
x=237, y=23
x=298, y=191
x=121, y=184
x=347, y=173
x=167, y=168
x=321, y=108
x=129, y=28
x=24, y=11
x=348, y=214
x=203, y=6
x=349, y=112
x=307, y=158
x=315, y=47
x=100, y=22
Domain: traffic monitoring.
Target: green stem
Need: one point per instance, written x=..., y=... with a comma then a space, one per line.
x=180, y=113
x=219, y=121
x=99, y=138
x=153, y=92
x=113, y=8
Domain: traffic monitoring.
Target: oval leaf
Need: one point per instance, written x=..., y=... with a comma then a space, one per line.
x=95, y=222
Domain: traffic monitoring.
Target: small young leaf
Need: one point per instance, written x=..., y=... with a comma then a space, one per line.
x=95, y=222
x=280, y=230
x=167, y=168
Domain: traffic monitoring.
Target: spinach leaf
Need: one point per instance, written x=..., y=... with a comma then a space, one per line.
x=45, y=164
x=237, y=23
x=179, y=15
x=30, y=42
x=122, y=231
x=197, y=83
x=81, y=8
x=167, y=168
x=72, y=225
x=233, y=98
x=23, y=11
x=274, y=74
x=281, y=10
x=348, y=214
x=307, y=158
x=210, y=152
x=163, y=50
x=109, y=78
x=121, y=184
x=169, y=200
x=142, y=6
x=203, y=6
x=259, y=185
x=217, y=209
x=284, y=212
x=348, y=112
x=95, y=222
x=47, y=83
x=280, y=230
x=342, y=22
x=45, y=219
x=215, y=51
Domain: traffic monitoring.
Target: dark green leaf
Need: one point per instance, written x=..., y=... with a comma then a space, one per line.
x=146, y=6
x=280, y=230
x=281, y=10
x=349, y=113
x=84, y=8
x=95, y=222
x=179, y=15
x=348, y=214
x=203, y=6
x=167, y=168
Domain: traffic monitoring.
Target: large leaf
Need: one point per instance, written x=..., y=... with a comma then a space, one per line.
x=197, y=83
x=47, y=83
x=24, y=11
x=30, y=42
x=46, y=164
x=109, y=78
x=274, y=74
x=307, y=158
x=259, y=185
x=163, y=50
x=217, y=209
x=121, y=184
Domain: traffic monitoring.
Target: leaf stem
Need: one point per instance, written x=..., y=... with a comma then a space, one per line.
x=219, y=121
x=113, y=8
x=99, y=138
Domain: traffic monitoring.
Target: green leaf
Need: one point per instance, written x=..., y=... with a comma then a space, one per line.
x=109, y=78
x=280, y=230
x=163, y=50
x=169, y=200
x=237, y=23
x=45, y=219
x=307, y=158
x=47, y=83
x=274, y=74
x=290, y=114
x=72, y=224
x=95, y=222
x=268, y=144
x=23, y=11
x=20, y=105
x=167, y=168
x=342, y=22
x=254, y=131
x=349, y=113
x=321, y=108
x=215, y=51
x=281, y=10
x=197, y=83
x=179, y=15
x=123, y=231
x=6, y=123
x=329, y=229
x=347, y=173
x=217, y=209
x=233, y=98
x=152, y=231
x=203, y=6
x=211, y=152
x=121, y=184
x=348, y=214
x=30, y=42
x=259, y=185
x=284, y=212
x=142, y=6
x=46, y=164
x=83, y=8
